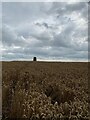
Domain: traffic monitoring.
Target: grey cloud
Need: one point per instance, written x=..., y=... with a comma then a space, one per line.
x=43, y=52
x=67, y=9
x=44, y=30
x=9, y=37
x=43, y=24
x=21, y=12
x=61, y=40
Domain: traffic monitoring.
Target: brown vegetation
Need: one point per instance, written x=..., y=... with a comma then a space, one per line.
x=45, y=91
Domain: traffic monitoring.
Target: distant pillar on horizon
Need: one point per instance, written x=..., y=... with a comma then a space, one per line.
x=34, y=59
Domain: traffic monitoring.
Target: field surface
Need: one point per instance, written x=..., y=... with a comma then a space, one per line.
x=45, y=90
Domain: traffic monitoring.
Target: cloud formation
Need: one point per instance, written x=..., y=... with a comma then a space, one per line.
x=48, y=30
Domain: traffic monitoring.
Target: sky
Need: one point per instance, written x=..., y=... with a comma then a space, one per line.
x=48, y=30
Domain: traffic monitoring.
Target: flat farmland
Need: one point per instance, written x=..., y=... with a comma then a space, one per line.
x=45, y=90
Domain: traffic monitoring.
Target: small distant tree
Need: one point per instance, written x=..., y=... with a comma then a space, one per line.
x=34, y=59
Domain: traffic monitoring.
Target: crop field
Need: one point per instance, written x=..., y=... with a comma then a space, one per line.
x=45, y=90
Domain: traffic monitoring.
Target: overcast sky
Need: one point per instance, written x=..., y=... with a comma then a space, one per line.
x=47, y=30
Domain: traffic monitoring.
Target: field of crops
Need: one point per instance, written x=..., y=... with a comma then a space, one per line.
x=45, y=90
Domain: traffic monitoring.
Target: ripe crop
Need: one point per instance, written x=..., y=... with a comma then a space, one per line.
x=45, y=91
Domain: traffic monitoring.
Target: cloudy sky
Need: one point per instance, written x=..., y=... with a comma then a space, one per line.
x=47, y=30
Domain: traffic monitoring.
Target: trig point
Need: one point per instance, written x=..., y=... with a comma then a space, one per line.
x=34, y=59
